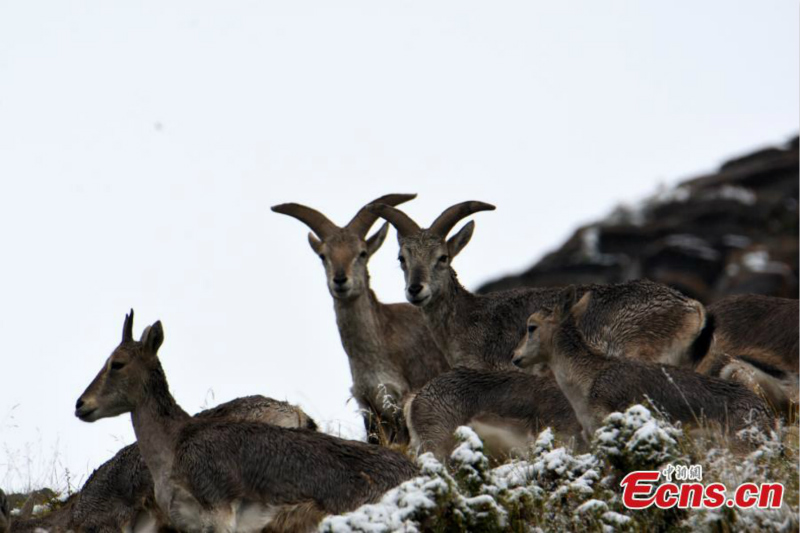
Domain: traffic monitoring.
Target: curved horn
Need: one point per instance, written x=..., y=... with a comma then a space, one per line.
x=312, y=218
x=402, y=222
x=364, y=219
x=450, y=217
x=127, y=328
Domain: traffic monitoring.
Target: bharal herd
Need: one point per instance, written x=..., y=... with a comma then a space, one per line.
x=420, y=370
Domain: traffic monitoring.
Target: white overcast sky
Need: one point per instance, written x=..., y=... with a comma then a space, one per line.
x=142, y=144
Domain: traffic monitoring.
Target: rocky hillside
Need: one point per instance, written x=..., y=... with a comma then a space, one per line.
x=734, y=231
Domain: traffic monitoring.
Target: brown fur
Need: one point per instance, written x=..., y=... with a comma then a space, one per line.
x=639, y=318
x=464, y=396
x=779, y=390
x=388, y=347
x=120, y=491
x=762, y=328
x=205, y=470
x=298, y=518
x=597, y=384
x=756, y=344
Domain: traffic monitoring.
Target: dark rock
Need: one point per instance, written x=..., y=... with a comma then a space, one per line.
x=731, y=232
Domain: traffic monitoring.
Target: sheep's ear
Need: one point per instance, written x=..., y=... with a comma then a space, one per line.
x=377, y=238
x=566, y=301
x=580, y=308
x=153, y=337
x=315, y=243
x=457, y=242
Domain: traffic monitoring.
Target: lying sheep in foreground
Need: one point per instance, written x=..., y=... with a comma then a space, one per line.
x=597, y=385
x=225, y=475
x=118, y=496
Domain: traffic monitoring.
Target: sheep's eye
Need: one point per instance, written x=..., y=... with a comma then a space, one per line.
x=531, y=328
x=402, y=260
x=322, y=256
x=363, y=255
x=443, y=259
x=116, y=365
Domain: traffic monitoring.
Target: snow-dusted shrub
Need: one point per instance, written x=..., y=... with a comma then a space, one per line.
x=469, y=463
x=636, y=440
x=478, y=506
x=553, y=489
x=435, y=500
x=772, y=460
x=405, y=508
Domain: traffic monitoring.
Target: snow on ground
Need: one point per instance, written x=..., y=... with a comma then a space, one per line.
x=554, y=489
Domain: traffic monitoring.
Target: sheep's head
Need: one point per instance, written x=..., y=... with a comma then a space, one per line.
x=121, y=383
x=425, y=254
x=344, y=251
x=540, y=343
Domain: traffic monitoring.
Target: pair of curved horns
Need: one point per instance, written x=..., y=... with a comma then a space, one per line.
x=323, y=227
x=441, y=226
